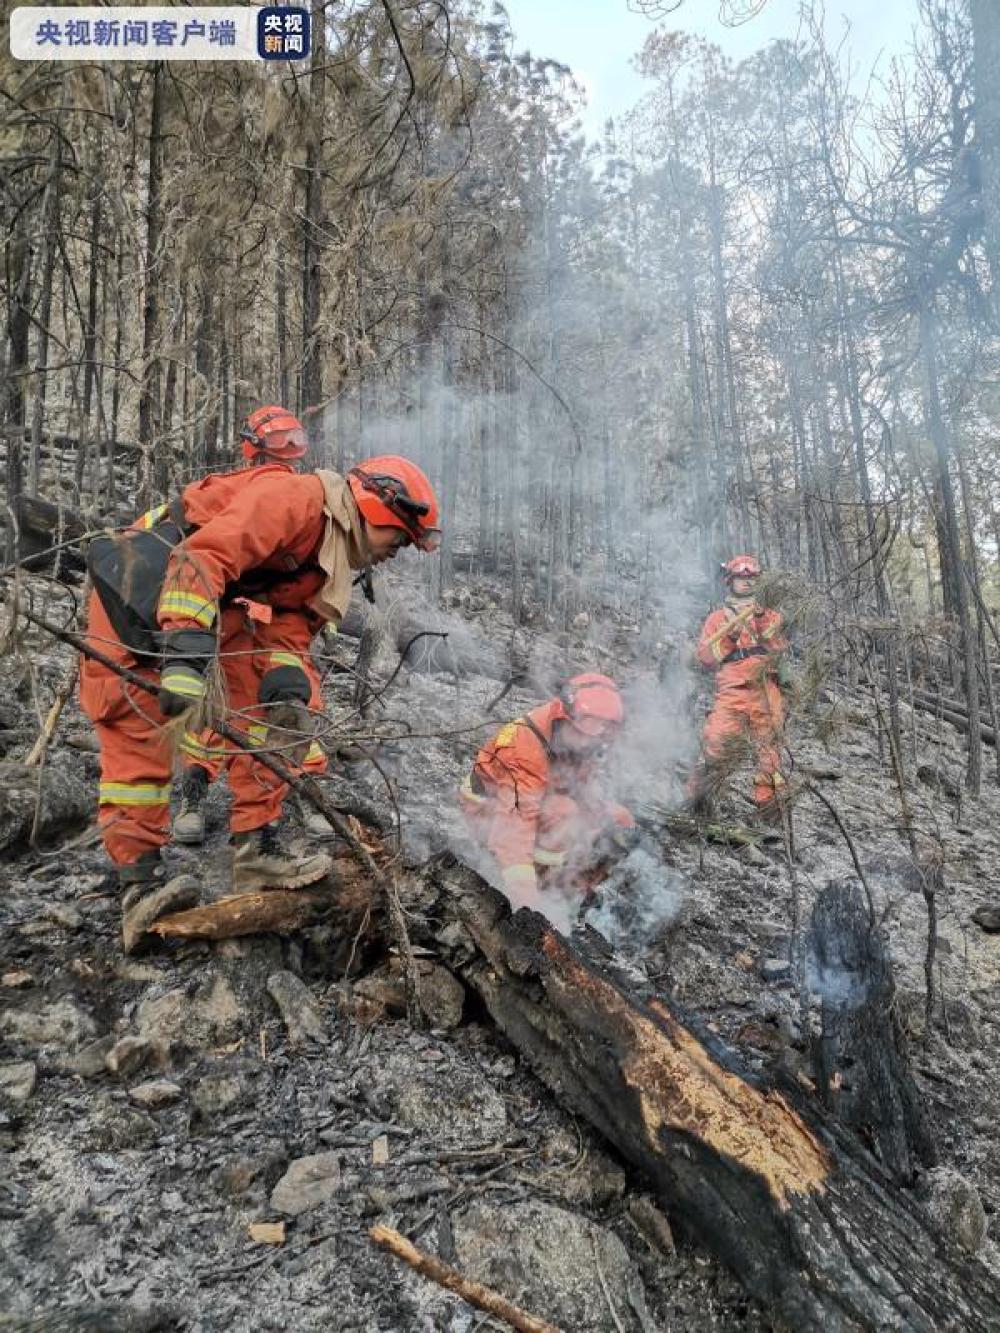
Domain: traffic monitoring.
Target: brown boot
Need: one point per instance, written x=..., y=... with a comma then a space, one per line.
x=260, y=862
x=148, y=895
x=189, y=822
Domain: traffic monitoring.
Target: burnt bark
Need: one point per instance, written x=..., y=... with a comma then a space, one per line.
x=792, y=1201
x=859, y=1061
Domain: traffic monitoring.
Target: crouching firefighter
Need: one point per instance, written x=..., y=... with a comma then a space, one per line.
x=744, y=645
x=532, y=798
x=230, y=575
x=271, y=436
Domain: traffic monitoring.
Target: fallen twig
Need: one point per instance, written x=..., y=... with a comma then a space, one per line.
x=52, y=720
x=474, y=1293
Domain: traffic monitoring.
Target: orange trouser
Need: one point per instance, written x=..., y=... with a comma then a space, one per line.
x=136, y=754
x=209, y=751
x=758, y=709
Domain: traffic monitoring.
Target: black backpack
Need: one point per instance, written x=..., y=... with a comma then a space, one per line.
x=128, y=570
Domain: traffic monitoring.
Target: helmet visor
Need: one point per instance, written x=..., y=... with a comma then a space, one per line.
x=292, y=442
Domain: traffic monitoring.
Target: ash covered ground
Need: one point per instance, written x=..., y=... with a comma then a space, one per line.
x=154, y=1110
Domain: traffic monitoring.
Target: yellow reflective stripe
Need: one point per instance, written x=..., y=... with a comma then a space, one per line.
x=547, y=858
x=193, y=746
x=179, y=680
x=315, y=754
x=257, y=733
x=285, y=659
x=151, y=517
x=133, y=793
x=190, y=605
x=523, y=872
x=771, y=631
x=718, y=652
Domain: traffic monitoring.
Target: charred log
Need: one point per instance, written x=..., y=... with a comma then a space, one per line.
x=40, y=526
x=860, y=1065
x=793, y=1202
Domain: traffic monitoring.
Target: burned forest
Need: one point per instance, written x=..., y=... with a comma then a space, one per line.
x=500, y=668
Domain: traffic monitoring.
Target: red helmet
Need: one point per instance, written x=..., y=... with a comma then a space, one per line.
x=592, y=703
x=274, y=435
x=741, y=567
x=393, y=492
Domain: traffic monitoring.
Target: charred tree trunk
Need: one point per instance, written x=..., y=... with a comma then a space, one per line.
x=312, y=224
x=149, y=393
x=811, y=1223
x=861, y=1070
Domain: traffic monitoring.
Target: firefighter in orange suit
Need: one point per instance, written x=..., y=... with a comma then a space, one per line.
x=743, y=644
x=247, y=560
x=270, y=436
x=532, y=800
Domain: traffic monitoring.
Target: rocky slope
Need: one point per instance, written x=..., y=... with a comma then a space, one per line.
x=154, y=1113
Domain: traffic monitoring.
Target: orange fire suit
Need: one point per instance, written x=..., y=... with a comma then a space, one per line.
x=747, y=697
x=209, y=751
x=531, y=807
x=257, y=535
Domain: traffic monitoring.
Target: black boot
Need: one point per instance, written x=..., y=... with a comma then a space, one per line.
x=147, y=895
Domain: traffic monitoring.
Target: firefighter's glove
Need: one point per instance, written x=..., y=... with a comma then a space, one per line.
x=624, y=838
x=291, y=727
x=186, y=656
x=521, y=886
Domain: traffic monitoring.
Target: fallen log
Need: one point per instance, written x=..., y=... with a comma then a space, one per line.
x=48, y=535
x=804, y=1215
x=278, y=911
x=347, y=899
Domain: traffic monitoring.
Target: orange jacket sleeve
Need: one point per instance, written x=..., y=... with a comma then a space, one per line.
x=256, y=522
x=711, y=654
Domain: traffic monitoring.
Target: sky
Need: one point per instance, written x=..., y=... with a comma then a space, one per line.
x=599, y=38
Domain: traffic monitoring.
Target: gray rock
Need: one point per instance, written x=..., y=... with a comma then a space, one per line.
x=60, y=1024
x=64, y=914
x=17, y=1081
x=216, y=1093
x=547, y=1260
x=308, y=1182
x=954, y=1204
x=239, y=1175
x=154, y=1093
x=128, y=1055
x=210, y=1018
x=775, y=969
x=452, y=1105
x=63, y=798
x=114, y=1127
x=299, y=1011
x=442, y=998
x=89, y=1060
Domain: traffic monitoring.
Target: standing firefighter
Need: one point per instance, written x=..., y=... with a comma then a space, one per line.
x=239, y=571
x=532, y=801
x=743, y=643
x=271, y=436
